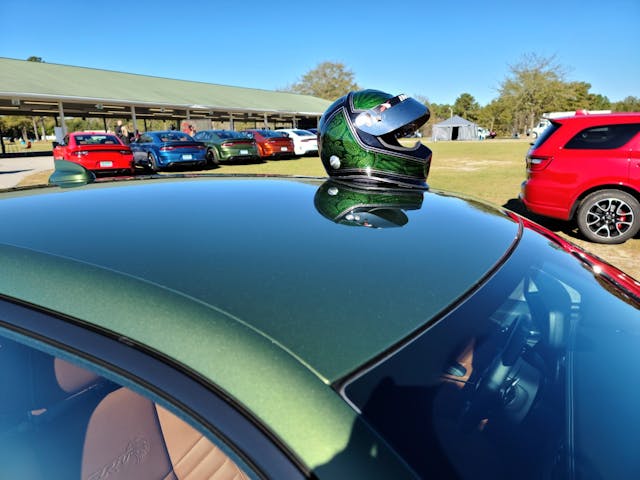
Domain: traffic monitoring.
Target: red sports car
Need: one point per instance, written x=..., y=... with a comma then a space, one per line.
x=272, y=144
x=96, y=151
x=587, y=168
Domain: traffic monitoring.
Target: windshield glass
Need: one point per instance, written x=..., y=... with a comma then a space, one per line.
x=229, y=134
x=546, y=133
x=97, y=140
x=174, y=137
x=530, y=377
x=273, y=134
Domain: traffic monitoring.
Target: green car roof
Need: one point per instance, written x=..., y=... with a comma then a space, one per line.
x=270, y=288
x=331, y=295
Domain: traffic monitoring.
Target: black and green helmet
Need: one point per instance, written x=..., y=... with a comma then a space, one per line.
x=358, y=139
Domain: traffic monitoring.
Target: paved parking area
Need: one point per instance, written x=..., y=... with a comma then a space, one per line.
x=14, y=169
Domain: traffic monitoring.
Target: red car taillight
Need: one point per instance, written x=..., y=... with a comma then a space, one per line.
x=125, y=152
x=81, y=153
x=535, y=163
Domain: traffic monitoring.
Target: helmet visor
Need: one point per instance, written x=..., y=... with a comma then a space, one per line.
x=398, y=113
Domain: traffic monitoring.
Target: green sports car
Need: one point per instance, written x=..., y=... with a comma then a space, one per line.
x=227, y=145
x=369, y=333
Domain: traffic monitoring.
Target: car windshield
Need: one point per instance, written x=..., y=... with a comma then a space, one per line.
x=96, y=140
x=272, y=134
x=229, y=134
x=531, y=377
x=303, y=133
x=175, y=137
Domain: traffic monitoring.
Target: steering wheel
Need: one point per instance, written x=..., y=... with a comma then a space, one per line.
x=506, y=389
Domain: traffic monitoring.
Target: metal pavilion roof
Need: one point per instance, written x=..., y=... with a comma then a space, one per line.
x=34, y=88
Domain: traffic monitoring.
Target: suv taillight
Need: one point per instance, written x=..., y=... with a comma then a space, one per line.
x=535, y=163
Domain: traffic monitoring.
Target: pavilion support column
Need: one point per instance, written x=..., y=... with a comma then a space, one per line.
x=295, y=122
x=266, y=121
x=133, y=118
x=230, y=121
x=63, y=124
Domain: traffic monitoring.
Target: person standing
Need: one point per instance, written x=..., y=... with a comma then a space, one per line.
x=121, y=132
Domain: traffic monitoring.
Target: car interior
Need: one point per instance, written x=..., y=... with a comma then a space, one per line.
x=61, y=421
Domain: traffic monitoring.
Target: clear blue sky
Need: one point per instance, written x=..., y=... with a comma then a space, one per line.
x=434, y=49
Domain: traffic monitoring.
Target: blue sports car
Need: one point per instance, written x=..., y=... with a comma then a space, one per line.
x=163, y=149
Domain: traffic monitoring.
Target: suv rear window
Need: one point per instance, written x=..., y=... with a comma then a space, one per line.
x=603, y=137
x=546, y=134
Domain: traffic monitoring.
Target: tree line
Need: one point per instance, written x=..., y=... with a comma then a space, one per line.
x=534, y=86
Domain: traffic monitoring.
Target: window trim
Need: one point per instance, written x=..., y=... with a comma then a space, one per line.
x=213, y=412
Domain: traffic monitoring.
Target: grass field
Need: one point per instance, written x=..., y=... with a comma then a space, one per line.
x=38, y=146
x=490, y=170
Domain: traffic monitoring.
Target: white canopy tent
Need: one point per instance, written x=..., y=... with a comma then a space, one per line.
x=455, y=128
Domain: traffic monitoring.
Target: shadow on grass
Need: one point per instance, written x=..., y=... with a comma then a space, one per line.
x=568, y=228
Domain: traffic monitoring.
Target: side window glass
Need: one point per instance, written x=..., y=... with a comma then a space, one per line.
x=60, y=420
x=604, y=137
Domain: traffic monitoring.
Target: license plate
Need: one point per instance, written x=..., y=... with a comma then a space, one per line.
x=284, y=149
x=187, y=157
x=106, y=164
x=244, y=152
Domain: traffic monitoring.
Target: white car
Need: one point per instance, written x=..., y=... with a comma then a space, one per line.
x=303, y=140
x=540, y=127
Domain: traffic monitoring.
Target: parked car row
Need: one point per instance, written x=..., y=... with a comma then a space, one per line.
x=158, y=150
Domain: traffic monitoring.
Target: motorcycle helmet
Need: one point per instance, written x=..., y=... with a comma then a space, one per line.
x=358, y=139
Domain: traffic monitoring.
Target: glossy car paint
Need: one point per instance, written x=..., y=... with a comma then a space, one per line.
x=558, y=178
x=271, y=144
x=161, y=149
x=95, y=151
x=227, y=145
x=255, y=322
x=195, y=308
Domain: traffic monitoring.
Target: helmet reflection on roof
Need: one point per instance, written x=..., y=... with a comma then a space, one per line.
x=358, y=139
x=348, y=204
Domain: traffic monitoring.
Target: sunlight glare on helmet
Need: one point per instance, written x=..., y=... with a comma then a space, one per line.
x=364, y=119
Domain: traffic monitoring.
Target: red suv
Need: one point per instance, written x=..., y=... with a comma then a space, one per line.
x=587, y=168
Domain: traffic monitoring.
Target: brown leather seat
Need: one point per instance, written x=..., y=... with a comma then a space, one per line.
x=131, y=437
x=45, y=404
